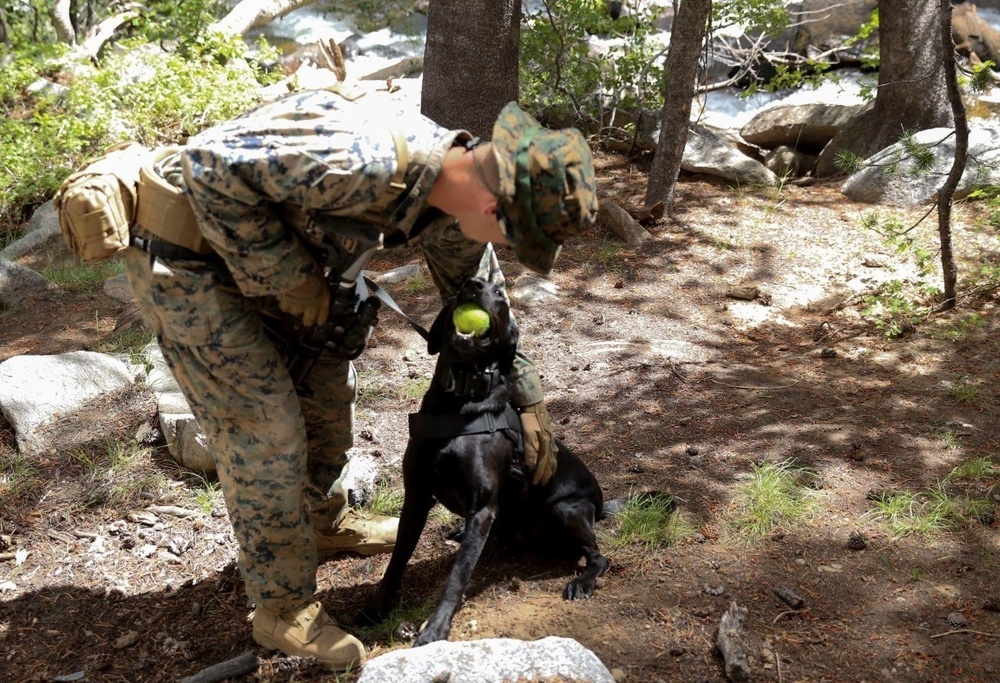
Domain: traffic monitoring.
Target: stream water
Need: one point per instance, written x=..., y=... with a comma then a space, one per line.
x=376, y=50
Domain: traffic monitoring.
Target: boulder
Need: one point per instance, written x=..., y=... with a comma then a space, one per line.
x=493, y=659
x=888, y=177
x=37, y=390
x=805, y=127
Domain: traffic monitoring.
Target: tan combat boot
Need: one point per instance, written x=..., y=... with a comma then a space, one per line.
x=358, y=533
x=308, y=632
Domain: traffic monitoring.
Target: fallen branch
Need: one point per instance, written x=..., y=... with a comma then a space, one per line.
x=231, y=668
x=729, y=641
x=621, y=223
x=965, y=630
x=172, y=510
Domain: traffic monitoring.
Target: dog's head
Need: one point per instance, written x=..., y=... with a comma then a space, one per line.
x=497, y=344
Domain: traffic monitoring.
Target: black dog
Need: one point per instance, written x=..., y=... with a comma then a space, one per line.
x=465, y=452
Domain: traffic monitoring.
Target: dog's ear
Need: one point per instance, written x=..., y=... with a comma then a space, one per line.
x=510, y=351
x=435, y=338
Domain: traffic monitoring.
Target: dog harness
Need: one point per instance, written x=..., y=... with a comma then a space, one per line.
x=508, y=423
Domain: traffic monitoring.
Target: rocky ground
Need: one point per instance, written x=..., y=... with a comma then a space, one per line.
x=736, y=337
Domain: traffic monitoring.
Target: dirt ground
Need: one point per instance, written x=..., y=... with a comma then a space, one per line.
x=663, y=374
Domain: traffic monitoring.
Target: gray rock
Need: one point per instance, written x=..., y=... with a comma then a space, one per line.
x=117, y=287
x=185, y=439
x=494, y=659
x=878, y=183
x=708, y=152
x=36, y=389
x=18, y=283
x=807, y=127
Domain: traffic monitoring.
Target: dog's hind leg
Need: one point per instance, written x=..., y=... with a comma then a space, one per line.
x=477, y=530
x=412, y=520
x=577, y=518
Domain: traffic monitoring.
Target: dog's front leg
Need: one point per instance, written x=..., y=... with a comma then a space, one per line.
x=412, y=520
x=477, y=530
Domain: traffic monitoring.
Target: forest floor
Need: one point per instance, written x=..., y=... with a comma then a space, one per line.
x=735, y=345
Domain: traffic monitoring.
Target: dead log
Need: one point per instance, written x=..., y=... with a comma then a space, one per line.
x=729, y=641
x=101, y=34
x=231, y=668
x=250, y=13
x=790, y=597
x=621, y=223
x=646, y=214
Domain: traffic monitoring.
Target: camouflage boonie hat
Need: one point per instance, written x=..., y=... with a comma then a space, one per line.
x=547, y=188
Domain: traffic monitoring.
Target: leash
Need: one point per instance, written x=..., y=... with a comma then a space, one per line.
x=385, y=298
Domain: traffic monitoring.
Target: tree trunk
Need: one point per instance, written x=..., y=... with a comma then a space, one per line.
x=947, y=192
x=250, y=13
x=62, y=22
x=686, y=39
x=912, y=95
x=470, y=62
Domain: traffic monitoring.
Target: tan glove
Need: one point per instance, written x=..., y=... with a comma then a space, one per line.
x=539, y=445
x=310, y=301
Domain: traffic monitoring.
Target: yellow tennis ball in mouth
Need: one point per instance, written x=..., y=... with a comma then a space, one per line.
x=471, y=319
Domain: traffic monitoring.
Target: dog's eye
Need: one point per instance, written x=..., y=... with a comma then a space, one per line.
x=497, y=292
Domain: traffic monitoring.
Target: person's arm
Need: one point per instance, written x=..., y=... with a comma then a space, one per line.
x=300, y=150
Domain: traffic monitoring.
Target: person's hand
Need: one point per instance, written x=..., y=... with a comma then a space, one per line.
x=310, y=301
x=539, y=445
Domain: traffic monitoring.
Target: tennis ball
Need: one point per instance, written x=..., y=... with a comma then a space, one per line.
x=471, y=319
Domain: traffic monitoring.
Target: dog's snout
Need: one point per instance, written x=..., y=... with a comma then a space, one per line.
x=472, y=288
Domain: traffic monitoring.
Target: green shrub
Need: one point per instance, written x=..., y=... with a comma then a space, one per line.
x=564, y=80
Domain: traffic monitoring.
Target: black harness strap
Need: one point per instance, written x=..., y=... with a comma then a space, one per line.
x=508, y=423
x=166, y=250
x=428, y=426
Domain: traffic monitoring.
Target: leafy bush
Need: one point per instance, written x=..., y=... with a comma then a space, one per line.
x=565, y=79
x=139, y=92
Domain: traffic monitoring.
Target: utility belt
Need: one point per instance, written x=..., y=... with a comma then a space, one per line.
x=164, y=211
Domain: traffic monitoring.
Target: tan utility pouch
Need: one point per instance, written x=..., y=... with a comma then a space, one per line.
x=164, y=210
x=97, y=204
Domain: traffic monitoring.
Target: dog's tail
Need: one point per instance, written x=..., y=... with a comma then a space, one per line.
x=645, y=499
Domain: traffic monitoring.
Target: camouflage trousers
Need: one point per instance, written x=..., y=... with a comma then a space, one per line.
x=280, y=456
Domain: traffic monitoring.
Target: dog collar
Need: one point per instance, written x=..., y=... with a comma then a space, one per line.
x=469, y=383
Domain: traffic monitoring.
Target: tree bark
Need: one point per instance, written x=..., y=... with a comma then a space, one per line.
x=912, y=95
x=686, y=38
x=947, y=193
x=251, y=13
x=470, y=62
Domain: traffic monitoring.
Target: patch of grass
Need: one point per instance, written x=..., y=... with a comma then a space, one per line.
x=372, y=387
x=650, y=520
x=960, y=328
x=406, y=616
x=84, y=278
x=19, y=479
x=927, y=512
x=965, y=391
x=977, y=469
x=415, y=388
x=8, y=237
x=385, y=499
x=774, y=495
x=417, y=284
x=118, y=474
x=949, y=440
x=130, y=341
x=206, y=492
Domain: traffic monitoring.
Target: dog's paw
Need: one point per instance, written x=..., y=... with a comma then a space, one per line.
x=429, y=636
x=579, y=588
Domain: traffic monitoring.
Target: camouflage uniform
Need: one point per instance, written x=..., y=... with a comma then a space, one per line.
x=250, y=181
